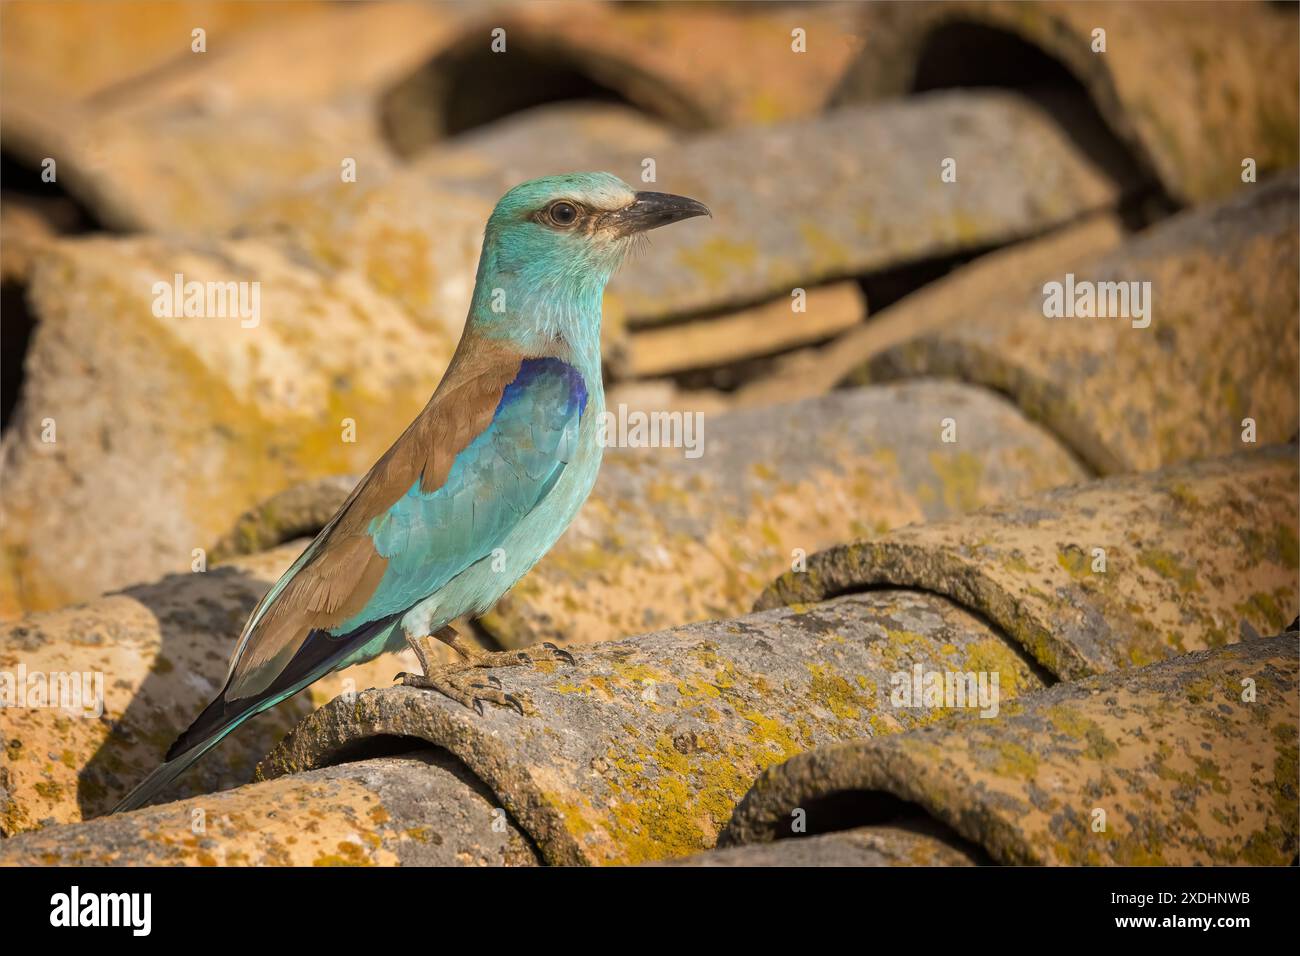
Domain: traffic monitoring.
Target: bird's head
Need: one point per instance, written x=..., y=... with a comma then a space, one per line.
x=585, y=220
x=557, y=240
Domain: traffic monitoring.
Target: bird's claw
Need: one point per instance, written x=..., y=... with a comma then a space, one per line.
x=503, y=700
x=471, y=692
x=455, y=681
x=559, y=652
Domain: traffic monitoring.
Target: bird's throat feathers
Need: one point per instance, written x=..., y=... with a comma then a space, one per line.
x=536, y=297
x=537, y=317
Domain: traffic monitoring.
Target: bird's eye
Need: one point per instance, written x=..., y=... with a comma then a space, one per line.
x=562, y=213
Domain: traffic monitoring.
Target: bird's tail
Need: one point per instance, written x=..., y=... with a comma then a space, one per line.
x=164, y=774
x=218, y=719
x=318, y=655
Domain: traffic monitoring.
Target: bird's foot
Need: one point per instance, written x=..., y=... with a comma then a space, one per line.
x=463, y=684
x=528, y=655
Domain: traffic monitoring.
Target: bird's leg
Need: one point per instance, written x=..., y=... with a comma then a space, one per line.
x=456, y=681
x=475, y=656
x=460, y=682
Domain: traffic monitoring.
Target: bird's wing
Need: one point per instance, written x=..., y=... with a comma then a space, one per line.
x=488, y=447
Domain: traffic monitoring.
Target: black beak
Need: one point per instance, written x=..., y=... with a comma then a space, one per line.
x=652, y=210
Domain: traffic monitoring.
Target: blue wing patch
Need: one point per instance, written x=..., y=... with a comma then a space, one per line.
x=430, y=537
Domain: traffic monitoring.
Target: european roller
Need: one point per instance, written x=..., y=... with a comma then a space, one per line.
x=478, y=487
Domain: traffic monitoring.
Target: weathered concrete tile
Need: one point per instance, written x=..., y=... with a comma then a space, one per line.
x=153, y=656
x=1214, y=344
x=759, y=330
x=879, y=845
x=640, y=750
x=679, y=62
x=1192, y=88
x=1107, y=575
x=420, y=809
x=133, y=38
x=797, y=204
x=1187, y=762
x=230, y=139
x=1006, y=274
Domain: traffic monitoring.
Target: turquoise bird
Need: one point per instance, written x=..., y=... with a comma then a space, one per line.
x=476, y=489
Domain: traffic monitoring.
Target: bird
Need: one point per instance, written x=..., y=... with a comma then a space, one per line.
x=475, y=490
